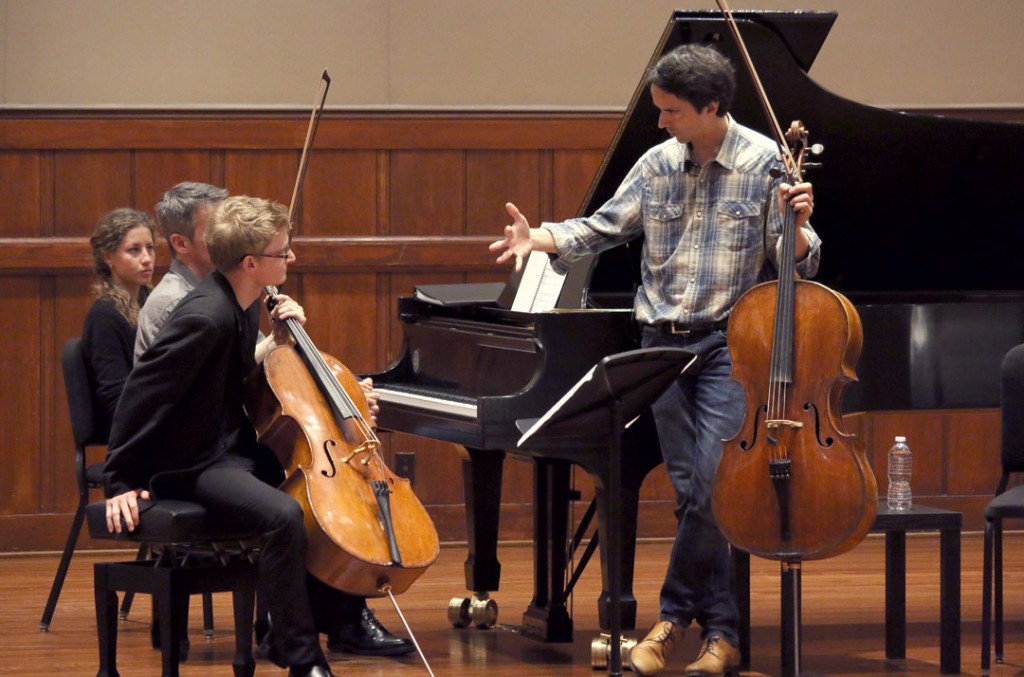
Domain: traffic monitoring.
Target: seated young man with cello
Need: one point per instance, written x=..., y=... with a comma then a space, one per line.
x=182, y=215
x=180, y=429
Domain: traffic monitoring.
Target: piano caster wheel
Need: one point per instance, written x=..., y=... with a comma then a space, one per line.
x=483, y=611
x=601, y=651
x=458, y=612
x=479, y=610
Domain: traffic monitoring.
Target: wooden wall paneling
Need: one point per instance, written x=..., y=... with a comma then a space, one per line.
x=87, y=185
x=156, y=171
x=404, y=284
x=268, y=174
x=925, y=436
x=383, y=189
x=340, y=195
x=499, y=275
x=427, y=193
x=22, y=368
x=496, y=177
x=48, y=366
x=341, y=316
x=972, y=452
x=21, y=194
x=574, y=171
x=47, y=201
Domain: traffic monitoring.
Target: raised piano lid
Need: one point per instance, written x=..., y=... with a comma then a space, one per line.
x=919, y=215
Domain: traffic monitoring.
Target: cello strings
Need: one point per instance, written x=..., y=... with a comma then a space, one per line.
x=339, y=396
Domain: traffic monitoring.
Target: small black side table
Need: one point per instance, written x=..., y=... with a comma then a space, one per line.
x=895, y=526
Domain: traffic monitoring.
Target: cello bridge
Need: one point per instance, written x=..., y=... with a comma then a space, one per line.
x=367, y=450
x=776, y=423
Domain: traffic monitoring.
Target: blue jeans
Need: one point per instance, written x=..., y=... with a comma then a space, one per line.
x=693, y=417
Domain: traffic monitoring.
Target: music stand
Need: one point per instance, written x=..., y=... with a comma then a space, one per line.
x=595, y=412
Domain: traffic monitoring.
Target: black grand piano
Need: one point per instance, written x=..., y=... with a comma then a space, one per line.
x=921, y=231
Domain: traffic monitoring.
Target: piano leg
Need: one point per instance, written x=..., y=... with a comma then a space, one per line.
x=481, y=477
x=547, y=618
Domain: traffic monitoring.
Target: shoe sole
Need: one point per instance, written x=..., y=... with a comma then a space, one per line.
x=397, y=651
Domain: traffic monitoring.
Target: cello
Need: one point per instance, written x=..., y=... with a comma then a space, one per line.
x=792, y=484
x=367, y=533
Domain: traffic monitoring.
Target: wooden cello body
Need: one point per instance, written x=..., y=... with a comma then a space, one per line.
x=792, y=484
x=333, y=469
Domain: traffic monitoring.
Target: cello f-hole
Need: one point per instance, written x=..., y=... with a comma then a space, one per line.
x=330, y=459
x=824, y=441
x=747, y=445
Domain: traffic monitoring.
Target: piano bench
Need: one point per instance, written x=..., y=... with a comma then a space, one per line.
x=196, y=555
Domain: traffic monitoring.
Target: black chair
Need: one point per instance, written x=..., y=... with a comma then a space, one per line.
x=1007, y=504
x=87, y=432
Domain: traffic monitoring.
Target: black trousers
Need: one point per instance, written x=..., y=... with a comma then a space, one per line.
x=233, y=492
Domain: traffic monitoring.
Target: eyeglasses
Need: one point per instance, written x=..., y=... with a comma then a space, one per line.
x=285, y=255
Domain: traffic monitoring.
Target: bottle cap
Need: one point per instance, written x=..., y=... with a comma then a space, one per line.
x=900, y=438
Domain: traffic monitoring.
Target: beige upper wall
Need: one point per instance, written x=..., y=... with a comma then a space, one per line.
x=502, y=54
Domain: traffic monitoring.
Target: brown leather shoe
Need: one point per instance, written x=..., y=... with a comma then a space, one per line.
x=648, y=657
x=716, y=658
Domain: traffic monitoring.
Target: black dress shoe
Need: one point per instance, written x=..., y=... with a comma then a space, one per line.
x=313, y=671
x=368, y=637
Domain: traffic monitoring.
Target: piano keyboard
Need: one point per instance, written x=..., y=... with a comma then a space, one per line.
x=425, y=398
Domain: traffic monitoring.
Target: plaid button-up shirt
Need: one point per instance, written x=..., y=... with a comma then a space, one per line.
x=711, y=232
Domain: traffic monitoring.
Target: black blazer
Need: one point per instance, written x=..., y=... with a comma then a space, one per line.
x=182, y=405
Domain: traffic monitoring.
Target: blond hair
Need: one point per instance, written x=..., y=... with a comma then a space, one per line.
x=243, y=226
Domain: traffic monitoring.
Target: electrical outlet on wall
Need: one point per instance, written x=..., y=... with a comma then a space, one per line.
x=405, y=465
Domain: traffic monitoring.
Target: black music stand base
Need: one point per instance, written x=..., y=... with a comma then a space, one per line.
x=596, y=409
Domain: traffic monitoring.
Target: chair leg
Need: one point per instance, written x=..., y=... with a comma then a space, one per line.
x=244, y=603
x=173, y=614
x=997, y=548
x=184, y=645
x=129, y=597
x=208, y=615
x=106, y=622
x=986, y=600
x=62, y=568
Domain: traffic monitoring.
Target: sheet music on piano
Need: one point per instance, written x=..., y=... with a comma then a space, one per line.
x=540, y=287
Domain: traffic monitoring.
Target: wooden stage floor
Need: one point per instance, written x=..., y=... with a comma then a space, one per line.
x=843, y=606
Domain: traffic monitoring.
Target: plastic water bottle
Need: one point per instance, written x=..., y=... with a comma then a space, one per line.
x=900, y=463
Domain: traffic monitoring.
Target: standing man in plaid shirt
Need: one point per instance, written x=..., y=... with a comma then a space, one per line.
x=709, y=203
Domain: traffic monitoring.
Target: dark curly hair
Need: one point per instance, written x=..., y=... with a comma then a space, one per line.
x=699, y=74
x=109, y=233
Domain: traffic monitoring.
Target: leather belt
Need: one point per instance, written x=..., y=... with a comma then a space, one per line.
x=689, y=331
